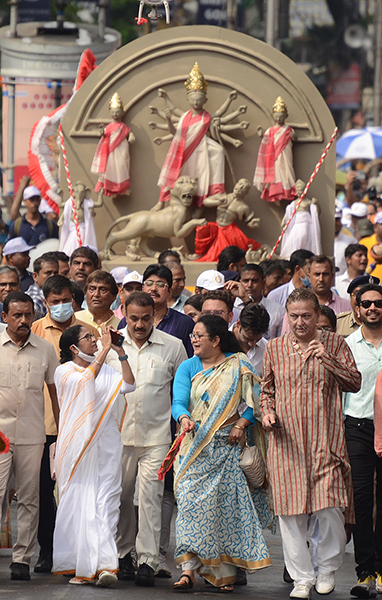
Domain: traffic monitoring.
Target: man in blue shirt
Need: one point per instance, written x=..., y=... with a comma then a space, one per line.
x=33, y=226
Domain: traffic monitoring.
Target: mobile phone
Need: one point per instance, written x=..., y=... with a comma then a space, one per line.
x=277, y=425
x=116, y=338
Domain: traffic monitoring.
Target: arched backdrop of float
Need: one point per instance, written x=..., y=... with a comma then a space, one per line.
x=228, y=60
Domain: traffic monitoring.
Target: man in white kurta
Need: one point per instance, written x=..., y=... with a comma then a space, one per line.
x=154, y=357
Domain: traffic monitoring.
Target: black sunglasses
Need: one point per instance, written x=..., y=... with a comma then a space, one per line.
x=368, y=303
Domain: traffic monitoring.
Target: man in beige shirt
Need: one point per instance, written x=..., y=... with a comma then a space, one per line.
x=26, y=362
x=58, y=298
x=154, y=357
x=100, y=292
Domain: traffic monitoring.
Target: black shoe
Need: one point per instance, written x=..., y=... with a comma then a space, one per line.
x=44, y=563
x=19, y=571
x=145, y=576
x=126, y=570
x=241, y=577
x=287, y=578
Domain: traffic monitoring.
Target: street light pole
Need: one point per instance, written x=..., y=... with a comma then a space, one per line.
x=271, y=22
x=232, y=14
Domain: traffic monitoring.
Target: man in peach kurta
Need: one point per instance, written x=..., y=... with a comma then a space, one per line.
x=304, y=373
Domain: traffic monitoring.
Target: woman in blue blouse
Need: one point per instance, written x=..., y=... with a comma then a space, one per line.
x=217, y=526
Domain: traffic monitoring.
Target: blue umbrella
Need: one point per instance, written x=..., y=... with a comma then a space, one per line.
x=360, y=143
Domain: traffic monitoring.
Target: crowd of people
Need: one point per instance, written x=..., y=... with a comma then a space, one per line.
x=101, y=372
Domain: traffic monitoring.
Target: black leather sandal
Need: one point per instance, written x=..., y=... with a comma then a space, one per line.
x=183, y=586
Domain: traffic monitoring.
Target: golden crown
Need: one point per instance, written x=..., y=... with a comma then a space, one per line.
x=280, y=106
x=196, y=80
x=115, y=101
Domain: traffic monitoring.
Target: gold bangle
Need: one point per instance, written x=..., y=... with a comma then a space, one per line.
x=239, y=427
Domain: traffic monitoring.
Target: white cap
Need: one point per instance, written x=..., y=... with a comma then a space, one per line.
x=358, y=209
x=338, y=212
x=133, y=277
x=210, y=280
x=119, y=273
x=31, y=191
x=377, y=219
x=17, y=244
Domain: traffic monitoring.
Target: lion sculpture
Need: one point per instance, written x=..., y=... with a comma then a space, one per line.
x=145, y=224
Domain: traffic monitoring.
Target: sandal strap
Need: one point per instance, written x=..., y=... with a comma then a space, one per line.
x=188, y=577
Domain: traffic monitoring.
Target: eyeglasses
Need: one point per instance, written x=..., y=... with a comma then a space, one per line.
x=159, y=284
x=197, y=336
x=368, y=303
x=88, y=337
x=219, y=313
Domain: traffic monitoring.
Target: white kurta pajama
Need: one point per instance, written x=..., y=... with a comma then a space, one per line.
x=88, y=470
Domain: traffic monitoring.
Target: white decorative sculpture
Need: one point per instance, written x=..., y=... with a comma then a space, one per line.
x=84, y=208
x=304, y=229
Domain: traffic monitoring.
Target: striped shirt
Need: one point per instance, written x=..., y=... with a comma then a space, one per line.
x=307, y=459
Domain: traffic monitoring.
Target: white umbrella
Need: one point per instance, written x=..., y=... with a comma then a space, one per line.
x=360, y=143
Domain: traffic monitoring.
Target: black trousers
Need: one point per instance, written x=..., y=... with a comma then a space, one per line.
x=47, y=517
x=365, y=463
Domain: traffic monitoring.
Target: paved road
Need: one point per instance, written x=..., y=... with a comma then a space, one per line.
x=265, y=584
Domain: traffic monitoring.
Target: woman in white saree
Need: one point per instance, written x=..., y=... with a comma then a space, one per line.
x=88, y=457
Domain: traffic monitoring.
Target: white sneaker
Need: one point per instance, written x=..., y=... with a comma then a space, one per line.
x=325, y=583
x=300, y=590
x=106, y=578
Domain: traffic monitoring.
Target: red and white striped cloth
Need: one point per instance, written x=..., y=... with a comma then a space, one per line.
x=112, y=160
x=274, y=174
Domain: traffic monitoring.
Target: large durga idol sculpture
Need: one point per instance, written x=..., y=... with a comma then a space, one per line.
x=193, y=168
x=192, y=151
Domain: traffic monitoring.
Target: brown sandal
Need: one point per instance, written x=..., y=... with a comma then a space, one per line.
x=183, y=586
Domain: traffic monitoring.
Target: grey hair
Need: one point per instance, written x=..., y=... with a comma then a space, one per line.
x=9, y=269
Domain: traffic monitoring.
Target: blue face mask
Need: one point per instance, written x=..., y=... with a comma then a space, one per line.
x=305, y=281
x=61, y=312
